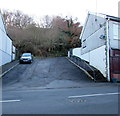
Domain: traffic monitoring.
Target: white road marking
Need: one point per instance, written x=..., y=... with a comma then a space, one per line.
x=8, y=70
x=92, y=95
x=4, y=101
x=81, y=68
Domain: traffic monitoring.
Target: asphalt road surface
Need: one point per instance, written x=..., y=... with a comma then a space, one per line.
x=55, y=86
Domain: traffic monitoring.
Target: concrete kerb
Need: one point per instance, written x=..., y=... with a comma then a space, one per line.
x=80, y=68
x=2, y=74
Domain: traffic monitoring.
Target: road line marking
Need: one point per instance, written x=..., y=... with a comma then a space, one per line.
x=92, y=95
x=4, y=101
x=8, y=70
x=81, y=68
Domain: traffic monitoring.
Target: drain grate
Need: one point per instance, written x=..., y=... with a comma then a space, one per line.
x=76, y=100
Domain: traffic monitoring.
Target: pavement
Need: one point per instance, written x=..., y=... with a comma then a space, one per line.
x=9, y=66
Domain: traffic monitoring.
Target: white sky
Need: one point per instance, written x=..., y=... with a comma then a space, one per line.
x=75, y=8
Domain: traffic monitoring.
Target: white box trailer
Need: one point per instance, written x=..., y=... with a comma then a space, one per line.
x=100, y=39
x=6, y=46
x=13, y=52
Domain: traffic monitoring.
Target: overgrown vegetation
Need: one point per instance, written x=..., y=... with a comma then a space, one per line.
x=53, y=36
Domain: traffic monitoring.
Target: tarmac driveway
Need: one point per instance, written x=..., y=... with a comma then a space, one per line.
x=46, y=73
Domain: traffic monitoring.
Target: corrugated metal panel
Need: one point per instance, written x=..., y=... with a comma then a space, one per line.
x=9, y=46
x=5, y=45
x=0, y=57
x=0, y=39
x=98, y=59
x=13, y=56
x=77, y=52
x=13, y=49
x=13, y=52
x=94, y=41
x=95, y=28
x=2, y=26
x=6, y=58
x=92, y=25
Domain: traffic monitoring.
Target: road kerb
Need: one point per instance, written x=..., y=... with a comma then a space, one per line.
x=8, y=70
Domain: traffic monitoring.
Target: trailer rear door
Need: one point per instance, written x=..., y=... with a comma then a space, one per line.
x=115, y=64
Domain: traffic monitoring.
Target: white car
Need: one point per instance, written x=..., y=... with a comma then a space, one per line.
x=26, y=58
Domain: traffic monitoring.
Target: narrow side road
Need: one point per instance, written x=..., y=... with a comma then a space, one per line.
x=49, y=73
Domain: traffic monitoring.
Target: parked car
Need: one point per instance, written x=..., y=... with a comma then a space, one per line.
x=26, y=58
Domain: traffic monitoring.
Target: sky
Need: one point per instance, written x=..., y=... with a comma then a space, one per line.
x=74, y=8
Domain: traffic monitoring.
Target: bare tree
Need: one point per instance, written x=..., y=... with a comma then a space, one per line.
x=46, y=22
x=17, y=19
